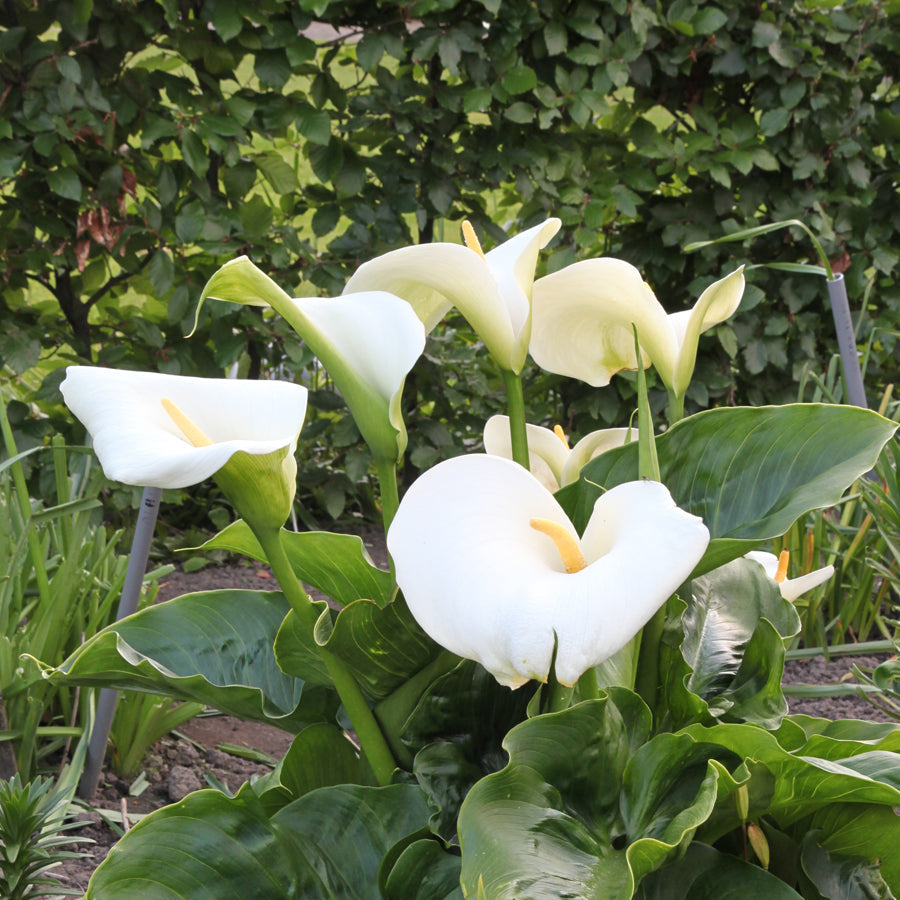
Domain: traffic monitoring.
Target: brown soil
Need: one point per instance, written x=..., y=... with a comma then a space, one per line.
x=189, y=759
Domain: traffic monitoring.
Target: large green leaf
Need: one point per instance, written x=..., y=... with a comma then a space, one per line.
x=748, y=472
x=214, y=647
x=795, y=784
x=862, y=830
x=344, y=834
x=455, y=733
x=328, y=844
x=705, y=874
x=724, y=657
x=383, y=647
x=336, y=564
x=320, y=756
x=843, y=876
x=584, y=808
x=424, y=871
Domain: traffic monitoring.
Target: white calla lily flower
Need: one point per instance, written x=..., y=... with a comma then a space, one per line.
x=483, y=581
x=367, y=342
x=583, y=317
x=550, y=458
x=172, y=431
x=492, y=290
x=791, y=588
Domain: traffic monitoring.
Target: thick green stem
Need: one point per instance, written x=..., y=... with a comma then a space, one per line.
x=588, y=689
x=373, y=742
x=293, y=590
x=647, y=681
x=390, y=497
x=675, y=412
x=515, y=404
x=559, y=697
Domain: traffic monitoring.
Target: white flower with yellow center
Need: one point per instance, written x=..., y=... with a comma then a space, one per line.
x=584, y=315
x=550, y=458
x=493, y=570
x=172, y=431
x=367, y=342
x=776, y=569
x=492, y=290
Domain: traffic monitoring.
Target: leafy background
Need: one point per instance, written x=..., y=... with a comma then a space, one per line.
x=144, y=143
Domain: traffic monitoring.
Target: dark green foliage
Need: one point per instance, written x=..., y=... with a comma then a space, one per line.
x=144, y=144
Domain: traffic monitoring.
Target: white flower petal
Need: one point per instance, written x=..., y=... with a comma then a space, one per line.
x=375, y=333
x=591, y=446
x=493, y=294
x=583, y=317
x=716, y=304
x=137, y=442
x=547, y=454
x=640, y=547
x=791, y=588
x=487, y=586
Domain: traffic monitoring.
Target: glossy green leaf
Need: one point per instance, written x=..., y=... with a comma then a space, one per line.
x=424, y=871
x=706, y=874
x=469, y=707
x=802, y=784
x=455, y=733
x=863, y=830
x=207, y=846
x=214, y=647
x=344, y=834
x=336, y=564
x=382, y=647
x=748, y=472
x=578, y=809
x=842, y=876
x=320, y=756
x=329, y=843
x=724, y=657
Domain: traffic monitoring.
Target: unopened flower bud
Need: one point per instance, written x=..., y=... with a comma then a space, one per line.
x=759, y=844
x=742, y=802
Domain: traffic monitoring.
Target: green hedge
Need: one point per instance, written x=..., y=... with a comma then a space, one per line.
x=144, y=143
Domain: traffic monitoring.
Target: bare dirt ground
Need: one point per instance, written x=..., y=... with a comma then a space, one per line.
x=190, y=759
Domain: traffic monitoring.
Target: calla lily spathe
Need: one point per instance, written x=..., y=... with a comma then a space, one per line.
x=138, y=442
x=488, y=586
x=791, y=588
x=367, y=342
x=551, y=460
x=583, y=317
x=492, y=291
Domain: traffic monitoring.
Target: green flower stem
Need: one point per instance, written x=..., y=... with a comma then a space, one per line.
x=559, y=697
x=387, y=482
x=647, y=681
x=648, y=463
x=374, y=745
x=367, y=730
x=270, y=541
x=515, y=403
x=675, y=411
x=588, y=688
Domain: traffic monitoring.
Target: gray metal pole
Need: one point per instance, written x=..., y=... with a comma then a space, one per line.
x=128, y=602
x=840, y=309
